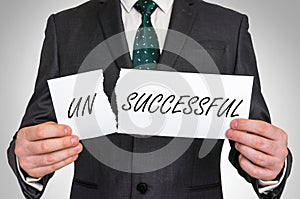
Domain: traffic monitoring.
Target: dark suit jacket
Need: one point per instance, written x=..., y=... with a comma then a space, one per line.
x=72, y=34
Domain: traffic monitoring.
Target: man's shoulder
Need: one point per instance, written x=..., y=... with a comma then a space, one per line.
x=81, y=11
x=219, y=10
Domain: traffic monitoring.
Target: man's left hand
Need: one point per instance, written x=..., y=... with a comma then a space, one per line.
x=263, y=147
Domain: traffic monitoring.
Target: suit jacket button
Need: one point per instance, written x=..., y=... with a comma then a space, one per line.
x=142, y=187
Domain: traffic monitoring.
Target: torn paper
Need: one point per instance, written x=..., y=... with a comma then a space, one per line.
x=177, y=104
x=80, y=102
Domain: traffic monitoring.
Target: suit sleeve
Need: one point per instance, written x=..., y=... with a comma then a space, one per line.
x=40, y=108
x=246, y=65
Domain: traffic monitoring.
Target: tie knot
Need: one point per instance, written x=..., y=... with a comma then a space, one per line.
x=145, y=7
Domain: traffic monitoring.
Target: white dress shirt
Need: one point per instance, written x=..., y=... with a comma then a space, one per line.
x=160, y=20
x=132, y=19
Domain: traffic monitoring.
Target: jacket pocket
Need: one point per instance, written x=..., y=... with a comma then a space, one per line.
x=204, y=187
x=84, y=183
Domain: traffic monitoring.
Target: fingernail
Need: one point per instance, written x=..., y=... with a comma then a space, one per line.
x=66, y=131
x=77, y=148
x=228, y=133
x=73, y=141
x=240, y=158
x=234, y=124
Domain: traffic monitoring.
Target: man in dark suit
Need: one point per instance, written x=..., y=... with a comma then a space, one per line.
x=41, y=146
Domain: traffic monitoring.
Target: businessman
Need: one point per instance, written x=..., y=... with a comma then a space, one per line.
x=41, y=146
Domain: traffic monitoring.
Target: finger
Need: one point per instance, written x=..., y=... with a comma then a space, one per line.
x=31, y=162
x=51, y=145
x=257, y=127
x=42, y=171
x=256, y=157
x=256, y=142
x=47, y=130
x=256, y=171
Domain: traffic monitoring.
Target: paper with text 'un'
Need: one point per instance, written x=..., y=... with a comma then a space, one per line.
x=152, y=103
x=80, y=102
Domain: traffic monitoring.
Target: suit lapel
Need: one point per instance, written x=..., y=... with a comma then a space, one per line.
x=182, y=19
x=111, y=24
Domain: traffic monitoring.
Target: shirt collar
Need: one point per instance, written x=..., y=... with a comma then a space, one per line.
x=164, y=5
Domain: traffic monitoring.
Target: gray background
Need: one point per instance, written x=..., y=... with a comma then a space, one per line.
x=275, y=30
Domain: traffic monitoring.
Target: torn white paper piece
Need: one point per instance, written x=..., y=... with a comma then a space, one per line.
x=173, y=104
x=80, y=102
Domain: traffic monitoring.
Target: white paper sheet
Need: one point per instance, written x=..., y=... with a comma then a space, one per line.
x=90, y=119
x=205, y=103
x=164, y=89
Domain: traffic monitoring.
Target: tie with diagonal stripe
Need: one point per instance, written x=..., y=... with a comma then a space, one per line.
x=146, y=46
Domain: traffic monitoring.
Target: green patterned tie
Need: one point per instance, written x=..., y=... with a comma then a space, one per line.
x=146, y=46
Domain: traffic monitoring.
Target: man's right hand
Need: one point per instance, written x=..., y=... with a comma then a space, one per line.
x=45, y=148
